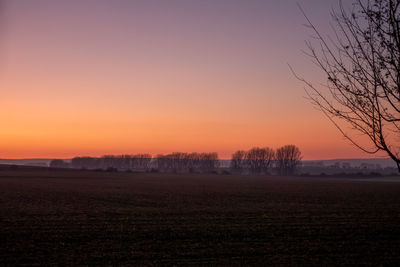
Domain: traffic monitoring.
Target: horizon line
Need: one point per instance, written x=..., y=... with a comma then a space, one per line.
x=67, y=158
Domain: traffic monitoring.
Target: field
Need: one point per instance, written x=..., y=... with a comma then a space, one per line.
x=58, y=217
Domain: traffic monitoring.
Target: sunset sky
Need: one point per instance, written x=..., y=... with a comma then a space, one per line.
x=114, y=77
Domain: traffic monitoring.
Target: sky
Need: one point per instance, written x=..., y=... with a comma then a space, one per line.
x=86, y=77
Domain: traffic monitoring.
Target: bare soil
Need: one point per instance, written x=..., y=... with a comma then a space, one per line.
x=61, y=217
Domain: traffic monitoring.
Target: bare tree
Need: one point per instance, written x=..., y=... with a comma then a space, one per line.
x=362, y=67
x=238, y=161
x=185, y=162
x=140, y=162
x=256, y=160
x=259, y=159
x=287, y=159
x=209, y=162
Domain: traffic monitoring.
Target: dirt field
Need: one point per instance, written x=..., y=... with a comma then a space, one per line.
x=95, y=218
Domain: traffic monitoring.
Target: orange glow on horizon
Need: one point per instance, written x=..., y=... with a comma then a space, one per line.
x=82, y=79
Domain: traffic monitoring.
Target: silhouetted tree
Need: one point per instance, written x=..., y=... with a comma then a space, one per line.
x=185, y=162
x=170, y=162
x=362, y=67
x=238, y=161
x=259, y=160
x=287, y=159
x=141, y=162
x=110, y=162
x=209, y=162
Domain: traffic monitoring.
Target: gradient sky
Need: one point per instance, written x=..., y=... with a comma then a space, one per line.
x=110, y=77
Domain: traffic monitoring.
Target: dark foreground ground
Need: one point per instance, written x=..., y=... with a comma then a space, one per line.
x=93, y=218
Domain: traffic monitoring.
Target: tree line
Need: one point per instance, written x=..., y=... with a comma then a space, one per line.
x=174, y=162
x=254, y=161
x=187, y=162
x=257, y=160
x=122, y=162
